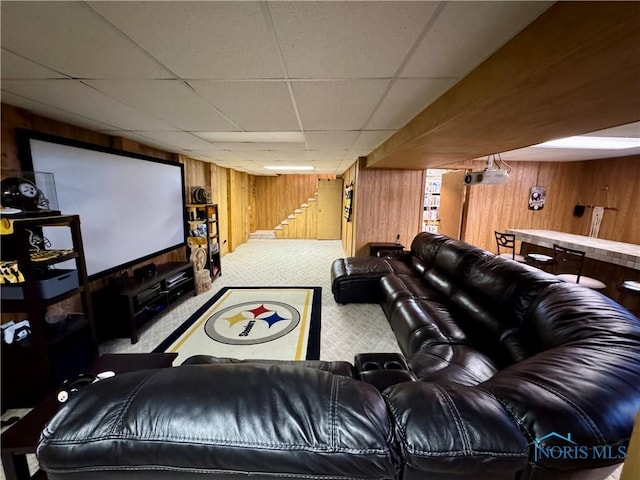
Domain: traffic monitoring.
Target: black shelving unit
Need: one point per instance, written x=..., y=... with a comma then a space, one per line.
x=140, y=300
x=39, y=363
x=204, y=230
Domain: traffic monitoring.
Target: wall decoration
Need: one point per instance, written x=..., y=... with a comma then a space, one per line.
x=537, y=198
x=348, y=201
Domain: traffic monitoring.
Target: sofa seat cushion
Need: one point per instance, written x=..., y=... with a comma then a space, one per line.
x=337, y=368
x=454, y=431
x=398, y=287
x=357, y=279
x=219, y=421
x=444, y=362
x=418, y=322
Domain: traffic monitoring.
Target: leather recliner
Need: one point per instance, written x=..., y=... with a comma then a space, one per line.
x=514, y=375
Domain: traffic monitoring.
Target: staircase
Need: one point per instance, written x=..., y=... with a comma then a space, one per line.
x=263, y=235
x=302, y=223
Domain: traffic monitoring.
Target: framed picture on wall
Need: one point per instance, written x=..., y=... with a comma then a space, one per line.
x=537, y=198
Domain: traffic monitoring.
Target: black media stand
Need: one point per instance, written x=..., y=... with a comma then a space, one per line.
x=136, y=301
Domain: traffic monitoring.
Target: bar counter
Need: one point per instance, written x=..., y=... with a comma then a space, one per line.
x=618, y=253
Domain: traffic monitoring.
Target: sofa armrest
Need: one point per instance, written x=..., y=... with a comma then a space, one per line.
x=219, y=421
x=455, y=429
x=402, y=255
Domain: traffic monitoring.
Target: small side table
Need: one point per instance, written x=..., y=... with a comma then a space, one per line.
x=375, y=247
x=22, y=438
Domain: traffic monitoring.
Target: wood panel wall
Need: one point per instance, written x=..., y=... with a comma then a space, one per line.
x=387, y=203
x=277, y=197
x=349, y=228
x=498, y=207
x=238, y=208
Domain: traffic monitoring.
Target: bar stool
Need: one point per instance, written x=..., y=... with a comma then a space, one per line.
x=572, y=260
x=507, y=241
x=540, y=260
x=632, y=288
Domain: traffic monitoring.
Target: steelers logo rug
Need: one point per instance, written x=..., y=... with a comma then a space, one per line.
x=278, y=323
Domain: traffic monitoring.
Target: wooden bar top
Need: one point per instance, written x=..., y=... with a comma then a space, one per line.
x=618, y=253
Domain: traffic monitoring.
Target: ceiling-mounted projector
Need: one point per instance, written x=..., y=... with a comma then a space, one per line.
x=492, y=175
x=487, y=177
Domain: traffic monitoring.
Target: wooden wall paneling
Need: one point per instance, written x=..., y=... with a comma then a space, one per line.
x=562, y=182
x=388, y=203
x=219, y=184
x=622, y=177
x=279, y=196
x=348, y=228
x=252, y=204
x=238, y=209
x=196, y=174
x=497, y=207
x=12, y=118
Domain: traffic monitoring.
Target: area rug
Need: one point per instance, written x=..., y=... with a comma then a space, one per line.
x=275, y=323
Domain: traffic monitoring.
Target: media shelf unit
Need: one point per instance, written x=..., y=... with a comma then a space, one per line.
x=203, y=228
x=37, y=364
x=140, y=300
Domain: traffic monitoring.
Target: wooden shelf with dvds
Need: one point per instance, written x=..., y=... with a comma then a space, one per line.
x=203, y=230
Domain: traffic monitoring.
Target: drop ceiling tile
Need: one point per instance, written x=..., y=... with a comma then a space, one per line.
x=256, y=156
x=288, y=155
x=200, y=39
x=327, y=155
x=52, y=112
x=72, y=39
x=170, y=100
x=405, y=99
x=146, y=140
x=178, y=140
x=249, y=146
x=331, y=140
x=370, y=139
x=337, y=105
x=16, y=67
x=263, y=106
x=466, y=33
x=347, y=39
x=77, y=98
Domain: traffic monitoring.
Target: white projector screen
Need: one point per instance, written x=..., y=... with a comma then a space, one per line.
x=131, y=207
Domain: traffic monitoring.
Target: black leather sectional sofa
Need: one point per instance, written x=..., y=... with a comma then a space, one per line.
x=509, y=374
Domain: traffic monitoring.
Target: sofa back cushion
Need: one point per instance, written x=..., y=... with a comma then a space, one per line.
x=451, y=264
x=568, y=312
x=424, y=248
x=222, y=421
x=583, y=380
x=496, y=298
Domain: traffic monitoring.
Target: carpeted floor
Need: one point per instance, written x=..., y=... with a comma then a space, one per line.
x=346, y=329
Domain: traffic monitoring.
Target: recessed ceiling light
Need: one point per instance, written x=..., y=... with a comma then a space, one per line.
x=252, y=137
x=299, y=168
x=592, y=143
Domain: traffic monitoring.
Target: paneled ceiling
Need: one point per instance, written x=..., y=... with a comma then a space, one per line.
x=179, y=75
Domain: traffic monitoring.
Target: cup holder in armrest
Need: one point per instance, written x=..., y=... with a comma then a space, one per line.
x=366, y=362
x=394, y=365
x=382, y=369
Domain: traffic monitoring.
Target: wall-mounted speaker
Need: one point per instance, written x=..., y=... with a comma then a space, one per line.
x=200, y=195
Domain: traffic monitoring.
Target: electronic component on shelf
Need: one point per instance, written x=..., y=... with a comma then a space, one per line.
x=176, y=279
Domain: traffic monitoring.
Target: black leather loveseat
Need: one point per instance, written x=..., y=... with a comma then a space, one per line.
x=511, y=375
